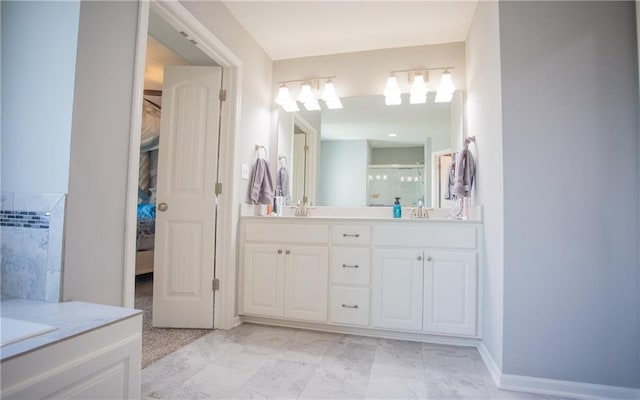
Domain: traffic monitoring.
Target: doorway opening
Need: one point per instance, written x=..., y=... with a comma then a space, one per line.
x=199, y=47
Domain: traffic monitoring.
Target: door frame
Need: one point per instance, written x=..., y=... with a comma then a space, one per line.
x=182, y=20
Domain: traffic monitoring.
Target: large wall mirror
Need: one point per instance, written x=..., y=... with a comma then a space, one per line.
x=367, y=153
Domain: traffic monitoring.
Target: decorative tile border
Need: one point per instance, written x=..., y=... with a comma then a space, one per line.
x=25, y=219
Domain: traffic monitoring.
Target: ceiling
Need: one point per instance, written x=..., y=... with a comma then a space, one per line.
x=303, y=28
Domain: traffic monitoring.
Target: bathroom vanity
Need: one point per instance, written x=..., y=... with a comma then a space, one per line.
x=406, y=278
x=69, y=350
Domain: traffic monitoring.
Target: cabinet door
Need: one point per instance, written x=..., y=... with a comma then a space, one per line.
x=263, y=279
x=397, y=289
x=306, y=283
x=450, y=292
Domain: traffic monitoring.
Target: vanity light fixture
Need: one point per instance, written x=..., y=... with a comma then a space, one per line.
x=446, y=88
x=418, y=79
x=307, y=95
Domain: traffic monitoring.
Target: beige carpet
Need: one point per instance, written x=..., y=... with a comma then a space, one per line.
x=158, y=342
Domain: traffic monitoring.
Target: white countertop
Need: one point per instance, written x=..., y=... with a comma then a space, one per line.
x=70, y=319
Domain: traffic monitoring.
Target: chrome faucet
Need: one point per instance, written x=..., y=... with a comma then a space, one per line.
x=420, y=211
x=303, y=208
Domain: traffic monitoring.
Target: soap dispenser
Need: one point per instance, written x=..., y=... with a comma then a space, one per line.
x=397, y=209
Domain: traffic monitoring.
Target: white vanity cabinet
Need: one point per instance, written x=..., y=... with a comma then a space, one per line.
x=285, y=271
x=409, y=277
x=426, y=278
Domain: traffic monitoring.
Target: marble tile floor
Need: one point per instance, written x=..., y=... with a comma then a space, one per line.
x=264, y=362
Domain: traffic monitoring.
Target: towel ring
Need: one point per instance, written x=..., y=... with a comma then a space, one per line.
x=261, y=147
x=283, y=160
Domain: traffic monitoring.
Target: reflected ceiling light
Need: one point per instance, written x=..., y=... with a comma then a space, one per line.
x=418, y=93
x=392, y=135
x=392, y=91
x=446, y=88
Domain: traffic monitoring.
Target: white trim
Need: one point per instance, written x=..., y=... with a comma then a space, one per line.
x=131, y=206
x=312, y=143
x=379, y=333
x=555, y=387
x=182, y=20
x=491, y=364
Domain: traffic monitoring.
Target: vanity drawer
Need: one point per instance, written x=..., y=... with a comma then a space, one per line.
x=350, y=306
x=351, y=234
x=286, y=233
x=350, y=265
x=442, y=237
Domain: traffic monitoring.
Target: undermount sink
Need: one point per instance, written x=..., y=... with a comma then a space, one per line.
x=15, y=330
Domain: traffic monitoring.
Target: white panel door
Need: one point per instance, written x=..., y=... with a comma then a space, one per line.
x=263, y=288
x=187, y=173
x=450, y=292
x=397, y=289
x=306, y=283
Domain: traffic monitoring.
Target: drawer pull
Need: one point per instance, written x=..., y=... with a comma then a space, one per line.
x=355, y=235
x=348, y=306
x=350, y=266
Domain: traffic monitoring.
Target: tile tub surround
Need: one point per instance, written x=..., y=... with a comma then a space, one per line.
x=32, y=228
x=255, y=361
x=69, y=318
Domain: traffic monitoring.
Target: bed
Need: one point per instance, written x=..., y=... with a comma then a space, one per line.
x=147, y=179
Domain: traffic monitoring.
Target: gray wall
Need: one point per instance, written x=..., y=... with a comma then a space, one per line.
x=484, y=119
x=343, y=176
x=94, y=249
x=38, y=66
x=570, y=128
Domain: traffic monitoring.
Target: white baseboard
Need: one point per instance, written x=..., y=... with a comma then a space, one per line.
x=554, y=387
x=491, y=364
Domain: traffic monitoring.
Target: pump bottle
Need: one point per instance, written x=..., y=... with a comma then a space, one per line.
x=397, y=209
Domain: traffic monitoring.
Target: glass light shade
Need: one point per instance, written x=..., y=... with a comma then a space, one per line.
x=305, y=93
x=392, y=89
x=329, y=93
x=283, y=96
x=418, y=92
x=446, y=83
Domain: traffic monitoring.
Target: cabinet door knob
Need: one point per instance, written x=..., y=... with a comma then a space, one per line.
x=279, y=251
x=429, y=258
x=287, y=252
x=163, y=207
x=419, y=258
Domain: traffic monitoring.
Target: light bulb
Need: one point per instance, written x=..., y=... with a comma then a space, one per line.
x=392, y=89
x=329, y=93
x=446, y=83
x=305, y=93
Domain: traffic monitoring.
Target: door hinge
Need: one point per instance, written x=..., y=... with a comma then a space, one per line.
x=223, y=95
x=218, y=189
x=215, y=284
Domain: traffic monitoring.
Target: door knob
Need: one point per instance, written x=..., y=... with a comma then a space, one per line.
x=279, y=251
x=429, y=258
x=163, y=207
x=419, y=258
x=287, y=252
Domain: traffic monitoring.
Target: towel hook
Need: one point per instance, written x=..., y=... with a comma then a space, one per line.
x=261, y=147
x=283, y=160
